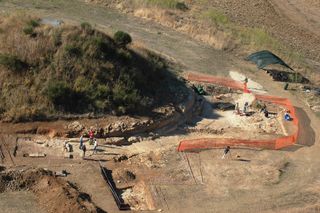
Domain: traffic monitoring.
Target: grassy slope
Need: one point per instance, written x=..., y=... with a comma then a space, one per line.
x=231, y=26
x=50, y=71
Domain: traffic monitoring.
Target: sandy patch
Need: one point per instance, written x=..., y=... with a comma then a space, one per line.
x=252, y=85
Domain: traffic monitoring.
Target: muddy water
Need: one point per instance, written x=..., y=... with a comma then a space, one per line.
x=19, y=202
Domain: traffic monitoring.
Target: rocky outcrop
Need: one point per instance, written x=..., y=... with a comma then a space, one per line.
x=171, y=117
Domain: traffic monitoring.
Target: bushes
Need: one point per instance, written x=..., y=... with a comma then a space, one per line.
x=29, y=29
x=33, y=23
x=181, y=6
x=122, y=38
x=216, y=17
x=60, y=94
x=12, y=62
x=92, y=74
x=87, y=28
x=125, y=99
x=73, y=51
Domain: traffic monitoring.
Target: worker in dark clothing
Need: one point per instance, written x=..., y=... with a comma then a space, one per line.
x=265, y=111
x=225, y=152
x=81, y=142
x=84, y=149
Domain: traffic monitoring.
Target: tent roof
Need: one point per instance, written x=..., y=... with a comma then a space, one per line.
x=264, y=58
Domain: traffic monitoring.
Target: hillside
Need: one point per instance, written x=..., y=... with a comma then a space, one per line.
x=50, y=71
x=240, y=27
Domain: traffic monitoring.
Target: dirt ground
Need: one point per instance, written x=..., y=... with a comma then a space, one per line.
x=151, y=174
x=39, y=190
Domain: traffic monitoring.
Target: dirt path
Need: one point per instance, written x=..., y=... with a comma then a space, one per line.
x=296, y=186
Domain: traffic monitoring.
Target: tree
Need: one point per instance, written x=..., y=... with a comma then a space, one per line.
x=122, y=38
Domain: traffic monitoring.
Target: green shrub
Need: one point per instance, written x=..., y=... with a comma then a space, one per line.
x=58, y=92
x=28, y=30
x=85, y=26
x=181, y=6
x=73, y=50
x=102, y=92
x=125, y=98
x=12, y=62
x=216, y=17
x=33, y=23
x=122, y=38
x=172, y=4
x=82, y=85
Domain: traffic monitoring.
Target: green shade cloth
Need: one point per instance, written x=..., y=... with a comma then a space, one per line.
x=264, y=58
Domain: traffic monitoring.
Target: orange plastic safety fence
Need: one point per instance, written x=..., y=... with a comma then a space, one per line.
x=208, y=143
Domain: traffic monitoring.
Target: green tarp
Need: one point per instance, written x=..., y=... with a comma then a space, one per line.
x=264, y=58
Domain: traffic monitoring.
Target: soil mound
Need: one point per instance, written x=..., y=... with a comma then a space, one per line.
x=53, y=194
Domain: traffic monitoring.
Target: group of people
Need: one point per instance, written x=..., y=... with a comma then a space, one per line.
x=244, y=110
x=92, y=141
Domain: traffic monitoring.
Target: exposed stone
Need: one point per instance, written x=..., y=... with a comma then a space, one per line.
x=74, y=128
x=130, y=175
x=116, y=140
x=120, y=158
x=133, y=139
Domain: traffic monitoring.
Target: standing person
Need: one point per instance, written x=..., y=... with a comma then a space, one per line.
x=236, y=109
x=225, y=152
x=245, y=85
x=265, y=111
x=68, y=147
x=91, y=135
x=95, y=146
x=81, y=142
x=84, y=149
x=245, y=108
x=287, y=116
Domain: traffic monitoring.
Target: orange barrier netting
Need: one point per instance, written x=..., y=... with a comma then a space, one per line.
x=207, y=143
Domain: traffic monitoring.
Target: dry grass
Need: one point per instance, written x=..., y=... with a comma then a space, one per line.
x=73, y=69
x=14, y=42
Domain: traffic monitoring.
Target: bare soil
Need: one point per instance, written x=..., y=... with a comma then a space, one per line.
x=247, y=181
x=49, y=191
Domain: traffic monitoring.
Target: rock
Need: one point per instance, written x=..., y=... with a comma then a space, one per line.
x=37, y=155
x=133, y=139
x=75, y=128
x=116, y=141
x=117, y=127
x=108, y=128
x=121, y=158
x=135, y=124
x=130, y=175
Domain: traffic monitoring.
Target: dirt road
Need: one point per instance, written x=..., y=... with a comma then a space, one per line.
x=297, y=186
